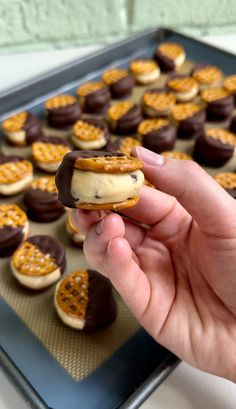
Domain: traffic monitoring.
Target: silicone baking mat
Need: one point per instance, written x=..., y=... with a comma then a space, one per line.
x=74, y=360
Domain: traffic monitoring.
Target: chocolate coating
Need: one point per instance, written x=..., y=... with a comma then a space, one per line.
x=221, y=109
x=55, y=140
x=101, y=309
x=122, y=88
x=164, y=62
x=10, y=239
x=42, y=206
x=97, y=102
x=212, y=152
x=65, y=172
x=129, y=122
x=63, y=117
x=33, y=129
x=232, y=126
x=232, y=192
x=48, y=245
x=160, y=140
x=192, y=127
x=10, y=158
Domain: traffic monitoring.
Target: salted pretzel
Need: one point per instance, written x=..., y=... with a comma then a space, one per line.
x=48, y=152
x=12, y=215
x=87, y=132
x=15, y=122
x=226, y=179
x=115, y=74
x=72, y=294
x=214, y=94
x=182, y=84
x=222, y=135
x=149, y=125
x=31, y=261
x=119, y=109
x=143, y=66
x=230, y=83
x=171, y=50
x=89, y=88
x=45, y=183
x=186, y=110
x=207, y=74
x=59, y=101
x=160, y=101
x=11, y=172
x=176, y=155
x=127, y=144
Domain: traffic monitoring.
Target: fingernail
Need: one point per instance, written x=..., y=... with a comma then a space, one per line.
x=99, y=227
x=149, y=157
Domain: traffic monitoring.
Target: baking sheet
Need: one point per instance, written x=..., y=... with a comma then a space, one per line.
x=80, y=354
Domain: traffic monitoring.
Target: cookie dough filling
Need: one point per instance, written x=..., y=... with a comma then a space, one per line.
x=91, y=187
x=15, y=176
x=145, y=71
x=184, y=87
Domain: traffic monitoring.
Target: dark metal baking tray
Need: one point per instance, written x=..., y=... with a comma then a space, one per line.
x=127, y=378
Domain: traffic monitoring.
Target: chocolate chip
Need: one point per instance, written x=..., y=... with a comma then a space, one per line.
x=97, y=196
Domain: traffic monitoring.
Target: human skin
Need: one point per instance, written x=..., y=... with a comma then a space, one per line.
x=178, y=276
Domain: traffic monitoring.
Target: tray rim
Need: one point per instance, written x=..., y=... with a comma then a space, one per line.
x=9, y=368
x=15, y=93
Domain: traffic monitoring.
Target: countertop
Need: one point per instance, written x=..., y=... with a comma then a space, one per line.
x=186, y=387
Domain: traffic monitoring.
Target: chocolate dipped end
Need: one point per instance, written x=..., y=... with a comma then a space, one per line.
x=232, y=126
x=42, y=206
x=101, y=309
x=160, y=140
x=129, y=122
x=221, y=109
x=33, y=129
x=97, y=102
x=192, y=127
x=48, y=245
x=98, y=123
x=165, y=63
x=211, y=152
x=10, y=239
x=122, y=88
x=64, y=117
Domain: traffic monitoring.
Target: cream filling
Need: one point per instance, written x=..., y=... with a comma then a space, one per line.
x=8, y=189
x=72, y=322
x=151, y=112
x=76, y=237
x=149, y=77
x=187, y=96
x=204, y=86
x=180, y=60
x=49, y=167
x=25, y=230
x=91, y=187
x=96, y=144
x=16, y=137
x=36, y=282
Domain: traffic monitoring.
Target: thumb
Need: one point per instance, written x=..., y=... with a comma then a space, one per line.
x=206, y=201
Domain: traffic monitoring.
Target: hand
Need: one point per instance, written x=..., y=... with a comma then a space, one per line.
x=178, y=277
